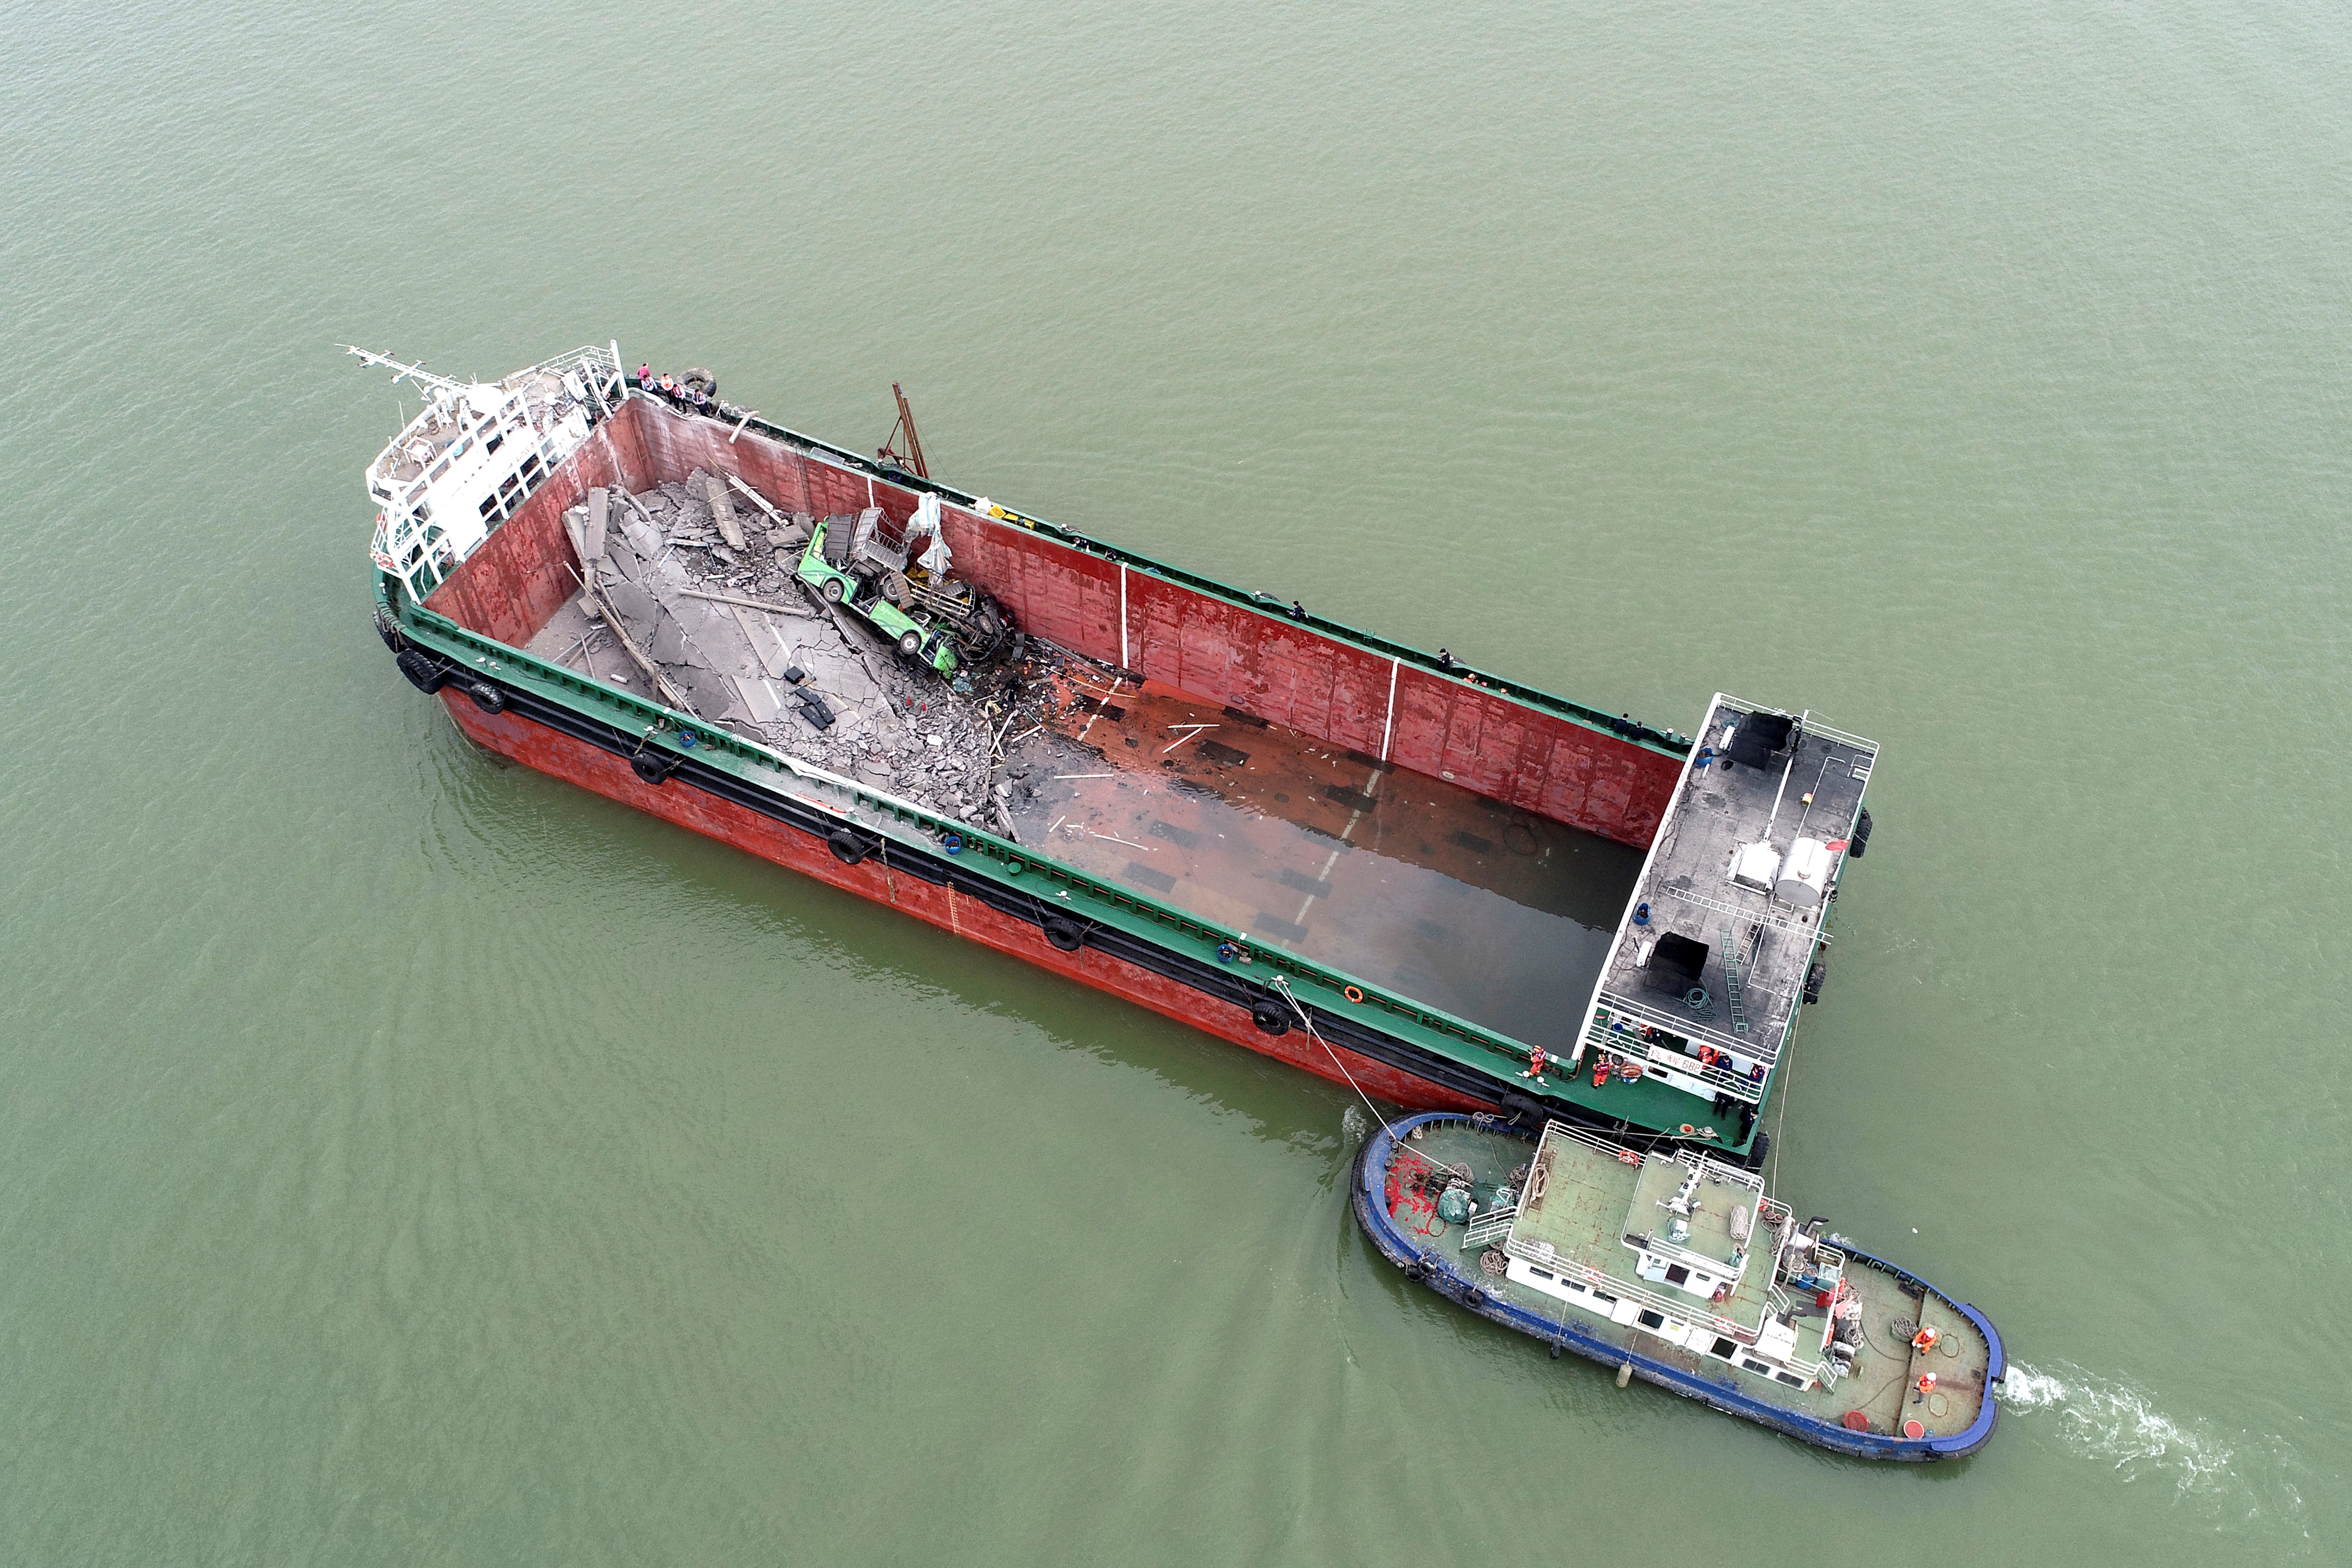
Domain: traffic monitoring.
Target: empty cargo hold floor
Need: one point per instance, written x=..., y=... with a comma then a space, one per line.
x=1408, y=882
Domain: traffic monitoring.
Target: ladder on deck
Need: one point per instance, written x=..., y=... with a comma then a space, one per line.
x=1731, y=976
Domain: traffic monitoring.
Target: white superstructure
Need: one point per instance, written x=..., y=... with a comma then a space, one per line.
x=477, y=451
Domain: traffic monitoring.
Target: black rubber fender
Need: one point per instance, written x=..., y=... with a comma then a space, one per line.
x=1474, y=1297
x=1758, y=1151
x=425, y=672
x=1529, y=1113
x=487, y=698
x=653, y=766
x=849, y=848
x=1270, y=1015
x=1064, y=933
x=1861, y=835
x=389, y=630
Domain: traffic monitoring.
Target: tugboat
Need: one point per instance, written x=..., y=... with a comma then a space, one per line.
x=1678, y=1268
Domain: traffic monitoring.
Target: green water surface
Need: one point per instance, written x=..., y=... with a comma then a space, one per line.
x=406, y=1158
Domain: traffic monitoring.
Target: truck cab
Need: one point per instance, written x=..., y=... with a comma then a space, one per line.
x=854, y=563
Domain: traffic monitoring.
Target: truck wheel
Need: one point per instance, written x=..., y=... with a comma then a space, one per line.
x=833, y=593
x=911, y=643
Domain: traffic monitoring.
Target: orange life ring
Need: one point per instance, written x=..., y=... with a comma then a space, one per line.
x=1353, y=994
x=1627, y=1157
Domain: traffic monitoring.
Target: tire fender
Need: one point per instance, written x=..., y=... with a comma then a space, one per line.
x=487, y=698
x=652, y=766
x=848, y=847
x=1270, y=1016
x=424, y=671
x=1064, y=933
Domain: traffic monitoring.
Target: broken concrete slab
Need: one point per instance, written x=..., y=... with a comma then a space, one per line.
x=668, y=645
x=762, y=698
x=637, y=607
x=768, y=645
x=722, y=510
x=598, y=501
x=713, y=696
x=642, y=538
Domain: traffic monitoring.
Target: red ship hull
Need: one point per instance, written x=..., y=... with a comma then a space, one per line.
x=536, y=746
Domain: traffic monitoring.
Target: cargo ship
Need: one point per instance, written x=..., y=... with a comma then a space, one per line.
x=1433, y=883
x=1680, y=1268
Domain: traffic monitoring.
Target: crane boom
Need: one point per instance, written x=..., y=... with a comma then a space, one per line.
x=912, y=457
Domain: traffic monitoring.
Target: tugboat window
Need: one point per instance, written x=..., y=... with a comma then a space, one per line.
x=1653, y=1320
x=1727, y=1348
x=1677, y=1274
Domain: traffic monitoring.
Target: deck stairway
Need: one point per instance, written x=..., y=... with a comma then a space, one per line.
x=1731, y=976
x=1489, y=1229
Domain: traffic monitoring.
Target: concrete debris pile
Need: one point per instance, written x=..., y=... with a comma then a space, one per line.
x=693, y=602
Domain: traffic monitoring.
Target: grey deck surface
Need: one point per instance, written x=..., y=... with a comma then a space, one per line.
x=1721, y=807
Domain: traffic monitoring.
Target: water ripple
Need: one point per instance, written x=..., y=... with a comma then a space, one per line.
x=2234, y=1481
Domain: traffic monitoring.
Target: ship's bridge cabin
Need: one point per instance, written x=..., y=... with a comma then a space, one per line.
x=1719, y=945
x=475, y=453
x=1679, y=1247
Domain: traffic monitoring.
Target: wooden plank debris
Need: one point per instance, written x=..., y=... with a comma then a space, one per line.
x=735, y=482
x=637, y=656
x=768, y=605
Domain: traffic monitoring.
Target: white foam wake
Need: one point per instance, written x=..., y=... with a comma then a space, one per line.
x=2235, y=1481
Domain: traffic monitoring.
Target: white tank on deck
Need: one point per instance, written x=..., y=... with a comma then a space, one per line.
x=1805, y=874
